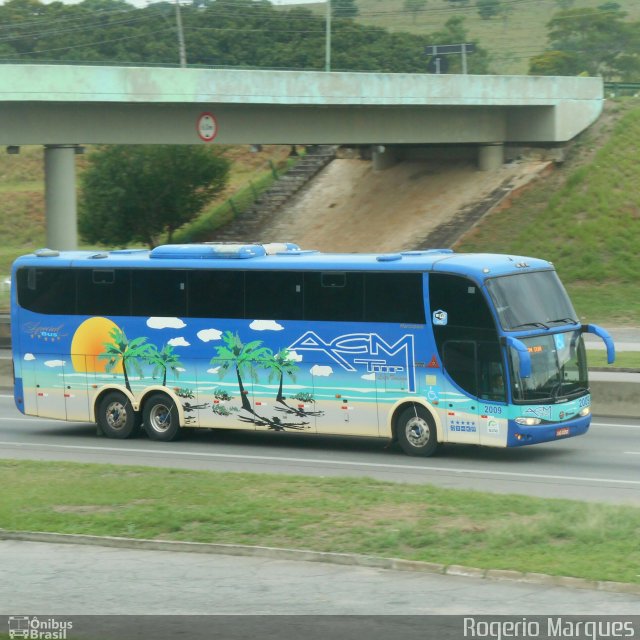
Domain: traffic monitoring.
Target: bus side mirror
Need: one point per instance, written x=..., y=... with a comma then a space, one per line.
x=606, y=338
x=523, y=355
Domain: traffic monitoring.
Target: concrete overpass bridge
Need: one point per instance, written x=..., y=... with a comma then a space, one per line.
x=64, y=106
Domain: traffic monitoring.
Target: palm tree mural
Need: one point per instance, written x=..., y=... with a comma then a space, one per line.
x=163, y=360
x=124, y=352
x=278, y=365
x=241, y=357
x=281, y=364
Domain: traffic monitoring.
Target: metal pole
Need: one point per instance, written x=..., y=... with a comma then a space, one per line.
x=181, y=47
x=327, y=58
x=464, y=58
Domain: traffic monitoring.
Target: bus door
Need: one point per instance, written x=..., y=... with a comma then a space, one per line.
x=474, y=398
x=458, y=400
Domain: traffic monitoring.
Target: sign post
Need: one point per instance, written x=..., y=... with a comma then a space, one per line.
x=437, y=50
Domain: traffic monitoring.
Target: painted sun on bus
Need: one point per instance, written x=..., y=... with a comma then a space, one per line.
x=420, y=347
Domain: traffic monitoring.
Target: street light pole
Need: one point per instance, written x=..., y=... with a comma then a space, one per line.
x=327, y=57
x=181, y=48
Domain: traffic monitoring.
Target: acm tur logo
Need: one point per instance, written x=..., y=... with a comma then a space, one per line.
x=378, y=355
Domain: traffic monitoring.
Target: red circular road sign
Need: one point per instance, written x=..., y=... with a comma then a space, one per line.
x=207, y=126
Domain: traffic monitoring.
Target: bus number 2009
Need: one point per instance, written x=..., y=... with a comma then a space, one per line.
x=491, y=409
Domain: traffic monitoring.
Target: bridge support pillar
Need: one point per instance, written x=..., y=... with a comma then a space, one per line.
x=490, y=156
x=382, y=157
x=60, y=196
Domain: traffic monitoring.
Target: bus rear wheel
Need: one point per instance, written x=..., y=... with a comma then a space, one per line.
x=416, y=432
x=116, y=417
x=160, y=418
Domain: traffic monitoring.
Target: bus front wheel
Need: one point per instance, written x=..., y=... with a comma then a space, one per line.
x=416, y=432
x=160, y=418
x=116, y=417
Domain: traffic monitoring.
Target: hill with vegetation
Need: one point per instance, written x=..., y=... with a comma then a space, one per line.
x=544, y=37
x=585, y=218
x=516, y=33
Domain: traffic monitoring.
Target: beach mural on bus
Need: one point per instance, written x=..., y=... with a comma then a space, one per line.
x=272, y=375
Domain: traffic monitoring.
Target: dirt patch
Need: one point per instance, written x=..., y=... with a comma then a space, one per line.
x=350, y=207
x=83, y=508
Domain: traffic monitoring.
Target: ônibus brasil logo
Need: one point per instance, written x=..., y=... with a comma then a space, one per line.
x=38, y=628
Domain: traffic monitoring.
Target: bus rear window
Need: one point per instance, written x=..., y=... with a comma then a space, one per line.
x=50, y=291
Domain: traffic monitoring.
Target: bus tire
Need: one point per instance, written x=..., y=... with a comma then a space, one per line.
x=160, y=418
x=116, y=417
x=416, y=432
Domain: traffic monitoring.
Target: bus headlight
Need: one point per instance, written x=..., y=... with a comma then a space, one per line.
x=585, y=411
x=528, y=422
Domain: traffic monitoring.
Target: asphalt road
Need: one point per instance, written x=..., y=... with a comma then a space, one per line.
x=67, y=579
x=603, y=465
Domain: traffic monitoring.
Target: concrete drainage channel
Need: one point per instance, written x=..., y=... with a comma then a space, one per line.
x=351, y=559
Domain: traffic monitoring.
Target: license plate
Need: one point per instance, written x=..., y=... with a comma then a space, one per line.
x=562, y=431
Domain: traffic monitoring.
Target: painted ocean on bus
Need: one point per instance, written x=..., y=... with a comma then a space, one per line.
x=275, y=375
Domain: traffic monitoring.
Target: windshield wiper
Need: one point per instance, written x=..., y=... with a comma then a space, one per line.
x=564, y=321
x=531, y=324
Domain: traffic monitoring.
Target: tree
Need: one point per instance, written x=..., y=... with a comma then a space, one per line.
x=552, y=63
x=344, y=8
x=414, y=6
x=141, y=193
x=488, y=9
x=591, y=41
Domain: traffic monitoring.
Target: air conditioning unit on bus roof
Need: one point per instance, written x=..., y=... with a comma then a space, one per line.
x=221, y=250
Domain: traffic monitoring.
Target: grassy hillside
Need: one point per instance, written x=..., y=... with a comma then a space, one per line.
x=22, y=225
x=511, y=39
x=585, y=218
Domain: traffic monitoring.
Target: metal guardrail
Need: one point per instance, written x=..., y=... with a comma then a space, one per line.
x=5, y=330
x=626, y=88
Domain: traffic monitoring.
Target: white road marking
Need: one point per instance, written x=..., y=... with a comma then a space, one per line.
x=319, y=461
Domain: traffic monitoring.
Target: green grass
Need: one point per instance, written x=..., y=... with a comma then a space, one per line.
x=585, y=219
x=624, y=360
x=365, y=516
x=511, y=39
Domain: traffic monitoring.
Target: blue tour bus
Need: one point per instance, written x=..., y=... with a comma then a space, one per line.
x=422, y=347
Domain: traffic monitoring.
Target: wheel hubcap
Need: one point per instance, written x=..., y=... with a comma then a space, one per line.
x=418, y=432
x=116, y=416
x=160, y=418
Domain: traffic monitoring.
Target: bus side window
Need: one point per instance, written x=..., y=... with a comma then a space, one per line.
x=158, y=292
x=394, y=297
x=216, y=294
x=273, y=295
x=334, y=295
x=104, y=292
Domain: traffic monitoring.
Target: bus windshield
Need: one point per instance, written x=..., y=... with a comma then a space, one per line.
x=558, y=369
x=529, y=300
